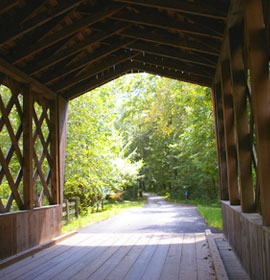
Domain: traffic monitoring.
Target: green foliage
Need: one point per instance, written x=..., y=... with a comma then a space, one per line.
x=170, y=125
x=109, y=210
x=212, y=216
x=95, y=161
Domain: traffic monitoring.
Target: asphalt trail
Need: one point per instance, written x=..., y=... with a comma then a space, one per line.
x=156, y=216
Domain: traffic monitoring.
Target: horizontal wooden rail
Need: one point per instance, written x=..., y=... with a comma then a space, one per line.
x=67, y=212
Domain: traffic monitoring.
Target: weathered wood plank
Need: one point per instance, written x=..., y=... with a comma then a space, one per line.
x=44, y=269
x=156, y=263
x=171, y=268
x=188, y=266
x=203, y=258
x=227, y=104
x=260, y=84
x=244, y=148
x=141, y=264
x=127, y=262
x=223, y=180
x=218, y=264
x=92, y=260
x=111, y=263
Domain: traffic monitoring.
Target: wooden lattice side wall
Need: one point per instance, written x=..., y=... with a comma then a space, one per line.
x=28, y=151
x=241, y=100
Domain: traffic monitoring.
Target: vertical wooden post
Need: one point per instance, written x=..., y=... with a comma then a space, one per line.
x=217, y=104
x=67, y=210
x=77, y=208
x=227, y=103
x=258, y=55
x=27, y=147
x=62, y=136
x=54, y=152
x=243, y=141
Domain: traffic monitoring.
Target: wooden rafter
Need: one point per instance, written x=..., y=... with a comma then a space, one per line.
x=168, y=23
x=210, y=11
x=201, y=46
x=174, y=65
x=13, y=23
x=203, y=81
x=6, y=5
x=66, y=32
x=94, y=81
x=37, y=21
x=21, y=77
x=95, y=69
x=93, y=38
x=175, y=53
x=102, y=52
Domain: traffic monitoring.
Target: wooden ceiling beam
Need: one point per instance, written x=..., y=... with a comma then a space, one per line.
x=93, y=38
x=66, y=32
x=176, y=66
x=175, y=53
x=169, y=23
x=202, y=81
x=94, y=82
x=99, y=54
x=13, y=72
x=37, y=21
x=215, y=10
x=113, y=61
x=6, y=5
x=173, y=40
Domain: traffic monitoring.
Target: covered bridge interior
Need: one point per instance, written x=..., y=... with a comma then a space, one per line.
x=52, y=51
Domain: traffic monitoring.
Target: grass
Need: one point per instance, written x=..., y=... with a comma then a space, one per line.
x=209, y=210
x=110, y=209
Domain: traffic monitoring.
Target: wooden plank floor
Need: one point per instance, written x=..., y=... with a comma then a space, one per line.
x=231, y=263
x=164, y=256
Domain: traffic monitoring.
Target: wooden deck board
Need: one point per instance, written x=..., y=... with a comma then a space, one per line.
x=127, y=262
x=188, y=265
x=125, y=256
x=232, y=265
x=38, y=260
x=155, y=266
x=140, y=265
x=171, y=266
x=203, y=258
x=116, y=258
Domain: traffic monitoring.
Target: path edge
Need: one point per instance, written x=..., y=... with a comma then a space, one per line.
x=15, y=258
x=217, y=261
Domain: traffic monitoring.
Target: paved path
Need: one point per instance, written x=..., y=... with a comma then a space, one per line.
x=161, y=241
x=156, y=216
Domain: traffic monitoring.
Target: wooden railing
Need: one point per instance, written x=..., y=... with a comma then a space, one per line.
x=70, y=210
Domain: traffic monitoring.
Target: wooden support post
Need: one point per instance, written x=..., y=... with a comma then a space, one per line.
x=67, y=210
x=77, y=208
x=54, y=152
x=62, y=136
x=221, y=153
x=27, y=148
x=258, y=57
x=227, y=103
x=243, y=140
